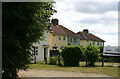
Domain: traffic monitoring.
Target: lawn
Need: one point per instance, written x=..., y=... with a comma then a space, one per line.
x=108, y=69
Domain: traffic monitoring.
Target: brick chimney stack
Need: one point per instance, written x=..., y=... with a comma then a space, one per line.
x=86, y=31
x=55, y=22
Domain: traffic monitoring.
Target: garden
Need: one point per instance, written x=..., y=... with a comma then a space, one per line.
x=79, y=59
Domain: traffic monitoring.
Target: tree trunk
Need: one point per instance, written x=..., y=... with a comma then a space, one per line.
x=102, y=62
x=86, y=63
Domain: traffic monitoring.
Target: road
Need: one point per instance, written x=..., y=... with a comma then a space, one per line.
x=49, y=73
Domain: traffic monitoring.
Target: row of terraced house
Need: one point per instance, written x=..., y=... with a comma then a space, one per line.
x=57, y=37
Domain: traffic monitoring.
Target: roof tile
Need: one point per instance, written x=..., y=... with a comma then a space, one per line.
x=89, y=36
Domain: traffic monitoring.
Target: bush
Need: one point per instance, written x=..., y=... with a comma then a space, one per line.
x=91, y=54
x=101, y=49
x=53, y=60
x=71, y=55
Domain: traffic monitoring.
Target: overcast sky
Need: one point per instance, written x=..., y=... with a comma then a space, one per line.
x=100, y=18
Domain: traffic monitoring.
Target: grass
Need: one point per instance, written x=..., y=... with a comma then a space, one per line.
x=106, y=70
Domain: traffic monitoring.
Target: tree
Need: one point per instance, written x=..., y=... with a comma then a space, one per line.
x=91, y=54
x=23, y=23
x=71, y=55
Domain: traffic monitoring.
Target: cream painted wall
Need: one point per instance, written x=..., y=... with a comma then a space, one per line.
x=84, y=43
x=54, y=40
x=100, y=43
x=51, y=41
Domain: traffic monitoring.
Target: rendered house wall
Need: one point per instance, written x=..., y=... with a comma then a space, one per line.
x=73, y=42
x=43, y=44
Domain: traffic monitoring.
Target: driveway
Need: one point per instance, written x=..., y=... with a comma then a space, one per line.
x=49, y=73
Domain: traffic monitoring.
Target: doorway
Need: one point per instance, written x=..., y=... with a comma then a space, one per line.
x=44, y=53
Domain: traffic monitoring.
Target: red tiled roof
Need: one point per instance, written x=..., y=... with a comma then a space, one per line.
x=59, y=29
x=89, y=36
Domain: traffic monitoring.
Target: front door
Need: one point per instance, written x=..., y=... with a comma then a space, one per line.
x=44, y=53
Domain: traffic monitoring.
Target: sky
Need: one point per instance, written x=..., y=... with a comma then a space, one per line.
x=100, y=17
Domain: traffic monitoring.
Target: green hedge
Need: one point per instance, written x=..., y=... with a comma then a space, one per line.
x=71, y=55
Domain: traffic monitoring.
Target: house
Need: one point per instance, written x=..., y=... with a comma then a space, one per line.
x=61, y=36
x=41, y=49
x=87, y=38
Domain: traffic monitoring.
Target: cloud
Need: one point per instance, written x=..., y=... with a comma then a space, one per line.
x=100, y=18
x=95, y=7
x=108, y=18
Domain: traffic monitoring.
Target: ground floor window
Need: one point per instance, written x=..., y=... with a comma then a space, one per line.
x=35, y=50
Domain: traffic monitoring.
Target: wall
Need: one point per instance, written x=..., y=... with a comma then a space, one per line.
x=54, y=41
x=96, y=43
x=77, y=42
x=51, y=41
x=43, y=44
x=83, y=43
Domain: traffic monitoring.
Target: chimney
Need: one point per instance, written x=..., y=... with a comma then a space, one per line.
x=55, y=22
x=86, y=31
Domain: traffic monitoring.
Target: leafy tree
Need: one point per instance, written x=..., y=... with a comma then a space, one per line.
x=23, y=23
x=91, y=54
x=71, y=55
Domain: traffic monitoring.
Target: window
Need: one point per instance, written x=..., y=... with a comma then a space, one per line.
x=59, y=37
x=90, y=43
x=64, y=38
x=69, y=44
x=74, y=39
x=34, y=50
x=97, y=43
x=93, y=43
x=70, y=39
x=101, y=43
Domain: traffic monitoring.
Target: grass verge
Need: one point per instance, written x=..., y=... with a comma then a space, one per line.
x=108, y=69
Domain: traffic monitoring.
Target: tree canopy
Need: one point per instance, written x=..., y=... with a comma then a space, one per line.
x=91, y=54
x=23, y=23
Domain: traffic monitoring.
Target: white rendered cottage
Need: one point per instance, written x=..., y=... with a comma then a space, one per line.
x=41, y=50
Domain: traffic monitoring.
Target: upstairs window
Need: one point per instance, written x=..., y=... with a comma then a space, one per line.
x=74, y=39
x=93, y=43
x=64, y=38
x=90, y=43
x=70, y=39
x=59, y=37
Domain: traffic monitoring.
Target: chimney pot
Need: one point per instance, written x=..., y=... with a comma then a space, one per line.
x=86, y=31
x=55, y=22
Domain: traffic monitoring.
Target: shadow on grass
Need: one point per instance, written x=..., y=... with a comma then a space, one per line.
x=84, y=66
x=75, y=66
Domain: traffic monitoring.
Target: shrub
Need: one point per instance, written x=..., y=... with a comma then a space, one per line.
x=53, y=60
x=71, y=55
x=101, y=49
x=91, y=54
